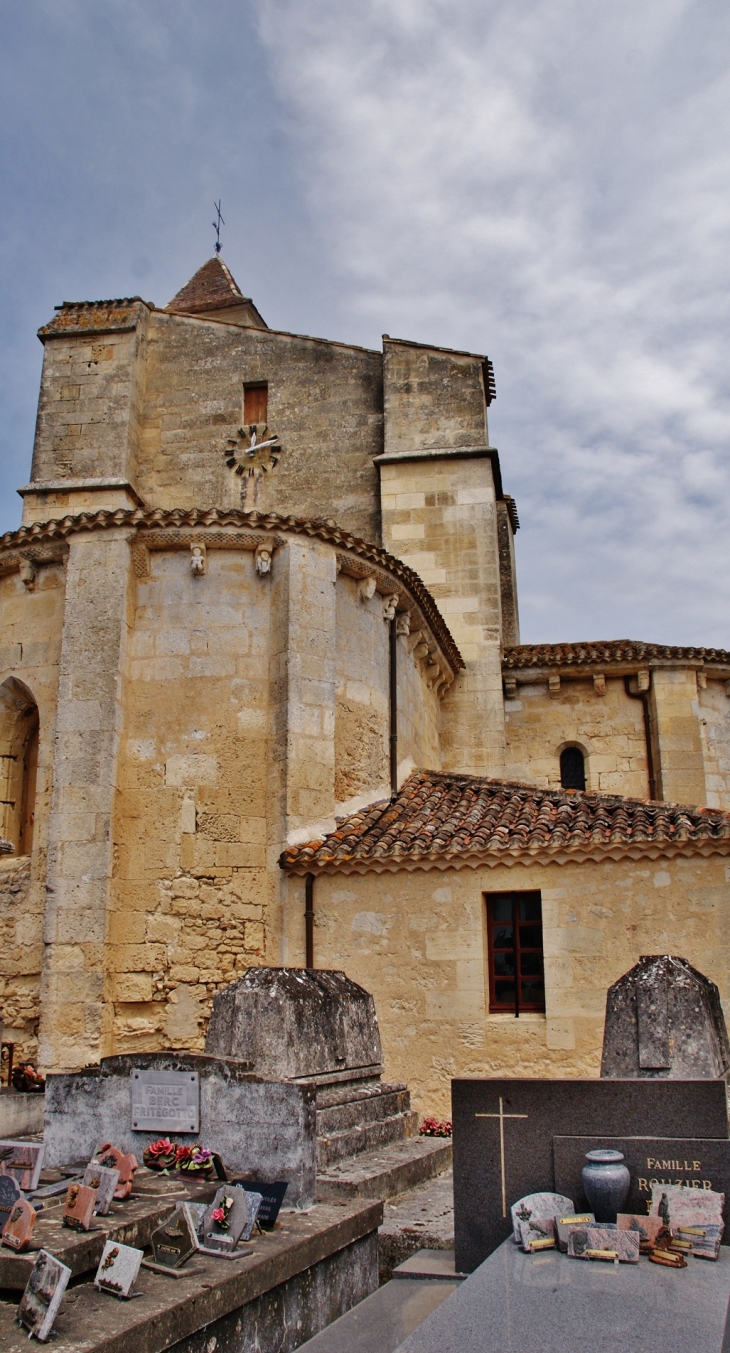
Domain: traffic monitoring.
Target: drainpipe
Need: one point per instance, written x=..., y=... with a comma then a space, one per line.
x=309, y=920
x=393, y=655
x=643, y=696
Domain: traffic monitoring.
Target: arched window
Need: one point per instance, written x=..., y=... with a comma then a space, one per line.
x=572, y=768
x=18, y=764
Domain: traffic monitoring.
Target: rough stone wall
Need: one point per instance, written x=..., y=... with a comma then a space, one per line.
x=324, y=403
x=30, y=624
x=191, y=886
x=21, y=955
x=608, y=728
x=714, y=710
x=417, y=941
x=433, y=398
x=89, y=407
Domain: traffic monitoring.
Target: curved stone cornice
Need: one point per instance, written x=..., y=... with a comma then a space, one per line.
x=148, y=521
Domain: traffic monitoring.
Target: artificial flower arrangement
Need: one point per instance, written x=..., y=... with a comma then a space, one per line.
x=435, y=1127
x=219, y=1215
x=191, y=1160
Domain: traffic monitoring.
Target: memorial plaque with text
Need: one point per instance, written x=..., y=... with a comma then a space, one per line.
x=165, y=1101
x=696, y=1163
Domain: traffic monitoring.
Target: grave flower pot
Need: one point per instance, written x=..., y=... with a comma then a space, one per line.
x=161, y=1155
x=606, y=1183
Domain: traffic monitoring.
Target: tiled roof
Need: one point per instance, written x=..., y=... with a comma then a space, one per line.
x=80, y=317
x=211, y=288
x=446, y=820
x=178, y=518
x=610, y=652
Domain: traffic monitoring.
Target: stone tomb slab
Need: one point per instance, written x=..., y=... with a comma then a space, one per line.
x=515, y=1302
x=504, y=1131
x=696, y=1163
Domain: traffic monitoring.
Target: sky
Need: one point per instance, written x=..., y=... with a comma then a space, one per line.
x=545, y=181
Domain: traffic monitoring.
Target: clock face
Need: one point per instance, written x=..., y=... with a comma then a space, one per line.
x=254, y=447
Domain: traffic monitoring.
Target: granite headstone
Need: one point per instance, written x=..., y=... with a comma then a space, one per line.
x=504, y=1131
x=698, y=1164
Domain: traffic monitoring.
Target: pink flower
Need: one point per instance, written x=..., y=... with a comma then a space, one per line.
x=218, y=1214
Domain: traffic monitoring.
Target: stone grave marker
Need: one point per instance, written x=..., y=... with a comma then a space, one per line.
x=165, y=1101
x=105, y=1181
x=597, y=1242
x=125, y=1163
x=272, y=1197
x=175, y=1240
x=536, y=1206
x=78, y=1213
x=240, y=1209
x=43, y=1294
x=24, y=1161
x=17, y=1232
x=10, y=1192
x=504, y=1132
x=118, y=1269
x=664, y=1019
x=696, y=1163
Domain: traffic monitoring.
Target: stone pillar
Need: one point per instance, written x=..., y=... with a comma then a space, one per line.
x=75, y=1022
x=439, y=517
x=681, y=770
x=302, y=674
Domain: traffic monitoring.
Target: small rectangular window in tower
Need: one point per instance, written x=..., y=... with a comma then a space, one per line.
x=255, y=403
x=516, y=973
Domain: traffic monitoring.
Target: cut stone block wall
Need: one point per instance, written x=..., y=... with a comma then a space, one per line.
x=714, y=717
x=431, y=925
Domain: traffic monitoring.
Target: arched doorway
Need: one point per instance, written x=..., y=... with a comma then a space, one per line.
x=19, y=724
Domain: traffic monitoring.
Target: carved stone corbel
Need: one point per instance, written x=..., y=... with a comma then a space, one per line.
x=198, y=562
x=27, y=573
x=403, y=622
x=262, y=558
x=366, y=588
x=389, y=605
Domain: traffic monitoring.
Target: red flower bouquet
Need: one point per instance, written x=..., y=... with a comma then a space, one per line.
x=435, y=1127
x=161, y=1155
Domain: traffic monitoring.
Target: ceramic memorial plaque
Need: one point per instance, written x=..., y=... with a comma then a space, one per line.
x=537, y=1234
x=18, y=1229
x=165, y=1101
x=23, y=1160
x=118, y=1269
x=105, y=1181
x=113, y=1159
x=10, y=1192
x=564, y=1226
x=647, y=1228
x=602, y=1243
x=79, y=1210
x=175, y=1240
x=704, y=1237
x=678, y=1205
x=43, y=1293
x=539, y=1205
x=230, y=1218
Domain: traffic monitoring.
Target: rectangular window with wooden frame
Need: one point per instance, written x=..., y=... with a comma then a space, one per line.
x=255, y=403
x=516, y=969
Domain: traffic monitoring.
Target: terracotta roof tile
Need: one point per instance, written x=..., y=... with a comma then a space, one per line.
x=80, y=317
x=606, y=653
x=444, y=820
x=211, y=288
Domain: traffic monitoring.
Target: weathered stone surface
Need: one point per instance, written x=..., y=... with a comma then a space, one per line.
x=664, y=1018
x=255, y=1125
x=291, y=1023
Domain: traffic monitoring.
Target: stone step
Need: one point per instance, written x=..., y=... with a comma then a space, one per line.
x=371, y=1109
x=366, y=1137
x=387, y=1172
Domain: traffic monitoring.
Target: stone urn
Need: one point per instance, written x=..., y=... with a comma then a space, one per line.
x=606, y=1183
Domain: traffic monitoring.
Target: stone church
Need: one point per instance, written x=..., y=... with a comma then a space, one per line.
x=263, y=700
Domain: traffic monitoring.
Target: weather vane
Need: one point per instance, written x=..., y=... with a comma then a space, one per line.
x=217, y=226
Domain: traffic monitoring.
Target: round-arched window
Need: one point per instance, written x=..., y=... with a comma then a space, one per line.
x=572, y=768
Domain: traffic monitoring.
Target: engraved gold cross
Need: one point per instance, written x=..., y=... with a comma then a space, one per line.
x=501, y=1116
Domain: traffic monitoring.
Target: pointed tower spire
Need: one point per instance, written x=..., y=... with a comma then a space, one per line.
x=214, y=292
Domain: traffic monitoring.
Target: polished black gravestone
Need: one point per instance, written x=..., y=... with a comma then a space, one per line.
x=504, y=1131
x=693, y=1162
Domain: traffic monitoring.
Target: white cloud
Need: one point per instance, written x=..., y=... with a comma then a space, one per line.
x=547, y=182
